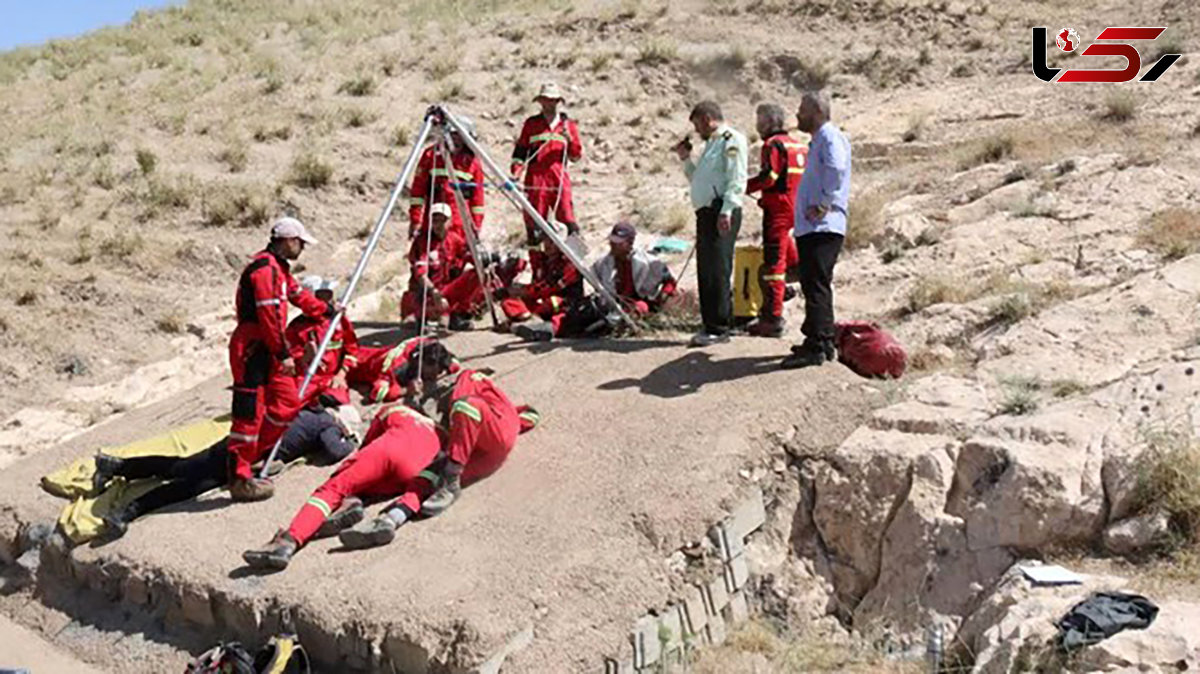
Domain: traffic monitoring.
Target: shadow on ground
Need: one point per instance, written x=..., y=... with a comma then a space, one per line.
x=689, y=373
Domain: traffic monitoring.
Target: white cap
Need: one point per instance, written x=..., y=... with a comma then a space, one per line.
x=291, y=228
x=316, y=283
x=440, y=208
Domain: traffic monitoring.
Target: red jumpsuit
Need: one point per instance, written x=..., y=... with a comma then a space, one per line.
x=555, y=285
x=484, y=425
x=542, y=151
x=378, y=365
x=434, y=183
x=264, y=398
x=397, y=448
x=782, y=165
x=304, y=335
x=441, y=265
x=627, y=290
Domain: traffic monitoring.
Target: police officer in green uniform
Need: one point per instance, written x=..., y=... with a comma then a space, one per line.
x=718, y=184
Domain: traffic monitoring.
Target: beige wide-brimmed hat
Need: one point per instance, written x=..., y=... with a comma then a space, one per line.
x=550, y=90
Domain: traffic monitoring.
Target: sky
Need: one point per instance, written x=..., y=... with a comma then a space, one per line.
x=30, y=22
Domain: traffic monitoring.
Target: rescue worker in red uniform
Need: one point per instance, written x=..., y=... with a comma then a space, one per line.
x=782, y=165
x=434, y=182
x=398, y=446
x=483, y=425
x=434, y=269
x=304, y=335
x=387, y=372
x=551, y=291
x=264, y=369
x=548, y=139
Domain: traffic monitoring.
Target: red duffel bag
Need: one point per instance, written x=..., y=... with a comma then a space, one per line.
x=868, y=350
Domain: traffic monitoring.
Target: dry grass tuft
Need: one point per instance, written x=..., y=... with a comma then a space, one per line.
x=234, y=157
x=173, y=323
x=1169, y=481
x=363, y=85
x=1173, y=233
x=310, y=172
x=864, y=226
x=1120, y=106
x=236, y=206
x=991, y=150
x=1020, y=396
x=658, y=51
x=755, y=645
x=147, y=161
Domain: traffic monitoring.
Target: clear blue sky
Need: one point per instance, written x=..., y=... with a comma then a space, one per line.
x=29, y=22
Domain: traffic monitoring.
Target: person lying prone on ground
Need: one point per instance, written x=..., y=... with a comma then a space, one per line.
x=323, y=434
x=385, y=373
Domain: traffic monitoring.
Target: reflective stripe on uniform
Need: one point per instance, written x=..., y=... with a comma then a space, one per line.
x=796, y=169
x=773, y=176
x=464, y=175
x=477, y=209
x=334, y=345
x=465, y=408
x=416, y=201
x=263, y=303
x=434, y=478
x=774, y=277
x=548, y=137
x=406, y=411
x=397, y=351
x=243, y=437
x=320, y=505
x=383, y=391
x=531, y=416
x=440, y=172
x=273, y=421
x=479, y=376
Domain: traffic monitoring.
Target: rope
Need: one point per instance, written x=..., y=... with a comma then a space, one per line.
x=428, y=218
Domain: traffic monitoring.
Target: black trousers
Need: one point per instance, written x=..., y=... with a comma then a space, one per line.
x=818, y=255
x=188, y=477
x=714, y=267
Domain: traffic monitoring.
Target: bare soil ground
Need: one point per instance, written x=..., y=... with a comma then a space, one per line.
x=141, y=164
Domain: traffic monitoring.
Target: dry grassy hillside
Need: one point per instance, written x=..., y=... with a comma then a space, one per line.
x=140, y=163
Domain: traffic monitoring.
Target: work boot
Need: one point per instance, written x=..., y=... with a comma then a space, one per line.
x=377, y=532
x=443, y=498
x=274, y=555
x=460, y=322
x=766, y=327
x=107, y=468
x=346, y=516
x=253, y=489
x=534, y=332
x=702, y=339
x=809, y=354
x=116, y=523
x=789, y=292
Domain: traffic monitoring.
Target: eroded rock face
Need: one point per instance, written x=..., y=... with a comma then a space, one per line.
x=913, y=518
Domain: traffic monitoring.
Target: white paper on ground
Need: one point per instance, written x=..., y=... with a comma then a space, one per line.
x=1051, y=574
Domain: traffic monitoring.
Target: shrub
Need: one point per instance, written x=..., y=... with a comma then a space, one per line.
x=938, y=289
x=1173, y=233
x=1020, y=396
x=310, y=172
x=991, y=150
x=1168, y=480
x=1012, y=309
x=364, y=85
x=1120, y=105
x=163, y=193
x=441, y=69
x=916, y=127
x=263, y=134
x=356, y=118
x=1065, y=388
x=239, y=207
x=173, y=323
x=864, y=225
x=122, y=245
x=103, y=176
x=657, y=51
x=599, y=62
x=400, y=136
x=234, y=157
x=147, y=161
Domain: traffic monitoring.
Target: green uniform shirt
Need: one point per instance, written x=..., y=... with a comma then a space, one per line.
x=720, y=172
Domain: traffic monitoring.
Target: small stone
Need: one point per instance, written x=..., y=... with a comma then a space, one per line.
x=1190, y=371
x=1159, y=387
x=1145, y=409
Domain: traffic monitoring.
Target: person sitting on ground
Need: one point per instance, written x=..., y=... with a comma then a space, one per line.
x=324, y=436
x=555, y=285
x=304, y=336
x=433, y=270
x=386, y=373
x=400, y=443
x=639, y=280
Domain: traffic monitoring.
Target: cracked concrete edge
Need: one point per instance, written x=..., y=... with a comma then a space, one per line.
x=707, y=610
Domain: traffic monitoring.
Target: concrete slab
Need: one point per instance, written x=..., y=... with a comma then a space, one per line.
x=638, y=454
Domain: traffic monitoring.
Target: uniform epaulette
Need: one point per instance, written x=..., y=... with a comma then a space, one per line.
x=728, y=135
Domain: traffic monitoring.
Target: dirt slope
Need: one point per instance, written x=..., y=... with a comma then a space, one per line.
x=639, y=453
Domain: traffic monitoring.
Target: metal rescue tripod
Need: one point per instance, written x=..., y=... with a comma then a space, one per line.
x=438, y=116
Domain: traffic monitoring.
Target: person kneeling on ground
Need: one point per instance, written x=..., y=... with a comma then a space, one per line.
x=304, y=336
x=555, y=286
x=325, y=435
x=434, y=268
x=640, y=281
